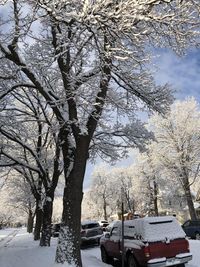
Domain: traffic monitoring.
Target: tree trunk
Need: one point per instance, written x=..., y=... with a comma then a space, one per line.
x=133, y=207
x=30, y=222
x=68, y=249
x=190, y=204
x=46, y=222
x=75, y=146
x=130, y=207
x=155, y=200
x=186, y=187
x=38, y=221
x=105, y=209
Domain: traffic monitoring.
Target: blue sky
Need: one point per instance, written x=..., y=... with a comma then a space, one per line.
x=182, y=73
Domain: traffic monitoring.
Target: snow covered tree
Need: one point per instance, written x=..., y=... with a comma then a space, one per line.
x=147, y=182
x=105, y=195
x=20, y=197
x=17, y=202
x=28, y=143
x=137, y=185
x=177, y=146
x=87, y=60
x=124, y=179
x=89, y=210
x=101, y=192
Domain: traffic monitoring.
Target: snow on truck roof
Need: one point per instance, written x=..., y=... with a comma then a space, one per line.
x=88, y=222
x=153, y=228
x=155, y=220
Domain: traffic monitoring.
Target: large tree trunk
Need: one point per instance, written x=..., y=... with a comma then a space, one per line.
x=46, y=221
x=38, y=221
x=68, y=249
x=190, y=204
x=30, y=222
x=186, y=187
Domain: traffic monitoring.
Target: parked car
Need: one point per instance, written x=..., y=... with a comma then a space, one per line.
x=55, y=228
x=192, y=229
x=148, y=242
x=103, y=224
x=91, y=232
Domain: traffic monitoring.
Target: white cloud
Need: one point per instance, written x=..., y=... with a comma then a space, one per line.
x=182, y=73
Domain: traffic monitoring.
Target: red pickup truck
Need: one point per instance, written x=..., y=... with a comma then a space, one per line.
x=149, y=242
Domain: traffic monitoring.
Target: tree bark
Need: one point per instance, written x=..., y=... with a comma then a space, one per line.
x=38, y=221
x=155, y=200
x=105, y=209
x=68, y=250
x=30, y=222
x=186, y=187
x=190, y=204
x=46, y=221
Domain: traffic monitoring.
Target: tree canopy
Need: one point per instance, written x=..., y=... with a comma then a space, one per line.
x=88, y=62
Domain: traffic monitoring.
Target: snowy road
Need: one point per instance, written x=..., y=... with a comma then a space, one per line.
x=7, y=236
x=17, y=249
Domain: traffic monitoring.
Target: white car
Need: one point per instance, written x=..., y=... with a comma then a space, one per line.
x=91, y=232
x=103, y=224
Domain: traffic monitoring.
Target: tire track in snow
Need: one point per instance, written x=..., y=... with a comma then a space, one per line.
x=4, y=242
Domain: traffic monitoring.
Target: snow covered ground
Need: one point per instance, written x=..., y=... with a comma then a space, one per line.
x=17, y=249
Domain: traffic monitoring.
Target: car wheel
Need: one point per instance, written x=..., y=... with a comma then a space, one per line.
x=131, y=261
x=104, y=256
x=197, y=236
x=181, y=265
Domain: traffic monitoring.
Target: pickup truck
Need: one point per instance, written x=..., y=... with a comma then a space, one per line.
x=148, y=242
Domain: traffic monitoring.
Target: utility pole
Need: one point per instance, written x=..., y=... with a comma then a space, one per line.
x=122, y=220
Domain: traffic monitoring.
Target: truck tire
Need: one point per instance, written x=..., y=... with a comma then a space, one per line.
x=104, y=256
x=132, y=262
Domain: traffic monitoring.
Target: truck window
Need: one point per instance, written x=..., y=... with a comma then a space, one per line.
x=129, y=232
x=115, y=231
x=186, y=224
x=161, y=222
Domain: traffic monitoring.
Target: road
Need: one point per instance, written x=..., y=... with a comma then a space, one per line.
x=17, y=249
x=7, y=235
